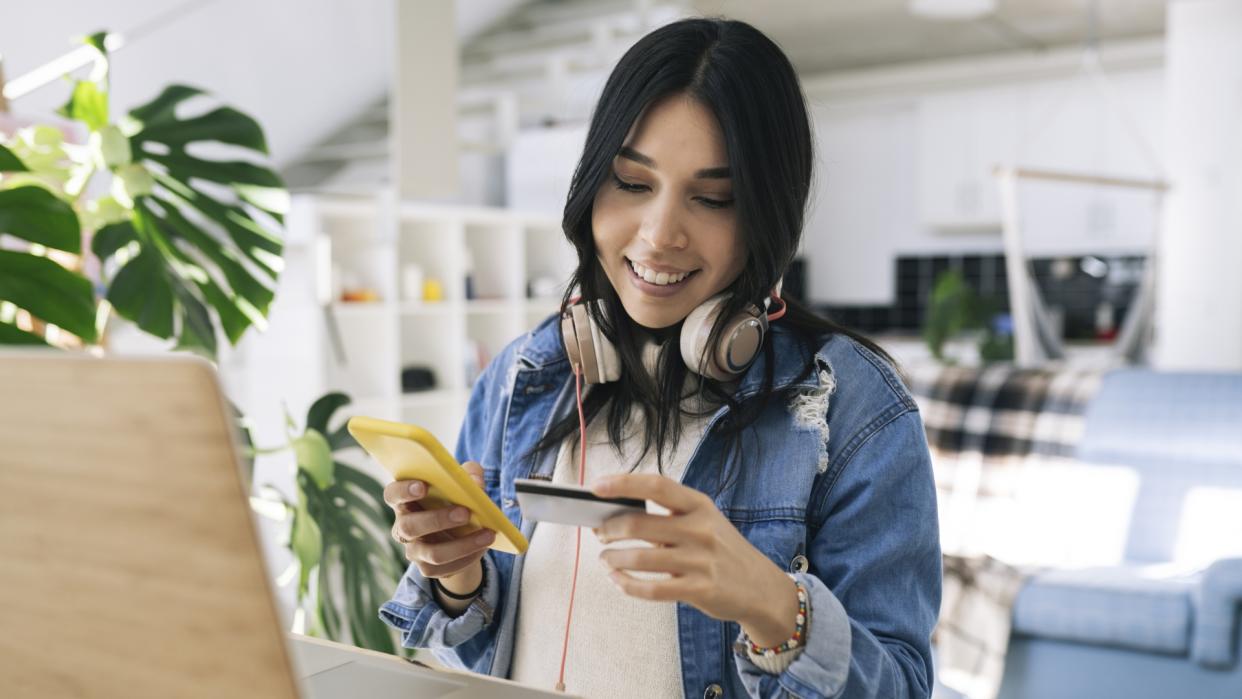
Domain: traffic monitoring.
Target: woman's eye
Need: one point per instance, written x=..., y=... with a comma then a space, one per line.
x=626, y=186
x=716, y=203
x=709, y=203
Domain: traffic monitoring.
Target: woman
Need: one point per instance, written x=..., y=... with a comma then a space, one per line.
x=799, y=550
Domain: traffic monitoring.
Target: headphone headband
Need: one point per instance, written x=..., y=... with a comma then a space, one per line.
x=739, y=342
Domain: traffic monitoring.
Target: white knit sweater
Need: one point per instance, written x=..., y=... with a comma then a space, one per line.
x=619, y=645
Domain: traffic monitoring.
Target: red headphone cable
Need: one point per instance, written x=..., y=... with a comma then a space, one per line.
x=560, y=684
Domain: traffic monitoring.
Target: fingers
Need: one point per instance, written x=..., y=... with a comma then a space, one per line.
x=449, y=551
x=651, y=486
x=655, y=560
x=442, y=559
x=672, y=589
x=658, y=529
x=413, y=525
x=475, y=470
x=400, y=493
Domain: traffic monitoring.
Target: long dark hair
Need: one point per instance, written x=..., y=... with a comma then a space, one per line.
x=746, y=81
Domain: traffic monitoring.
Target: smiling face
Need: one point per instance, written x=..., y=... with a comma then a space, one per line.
x=664, y=222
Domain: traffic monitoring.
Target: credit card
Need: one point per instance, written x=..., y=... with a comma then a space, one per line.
x=570, y=504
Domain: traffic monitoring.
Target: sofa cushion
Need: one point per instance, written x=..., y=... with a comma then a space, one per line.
x=1177, y=433
x=1145, y=608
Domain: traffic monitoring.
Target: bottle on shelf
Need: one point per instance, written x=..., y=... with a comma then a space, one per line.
x=468, y=270
x=412, y=282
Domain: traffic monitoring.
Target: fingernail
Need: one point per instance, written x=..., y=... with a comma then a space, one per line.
x=459, y=514
x=416, y=489
x=485, y=538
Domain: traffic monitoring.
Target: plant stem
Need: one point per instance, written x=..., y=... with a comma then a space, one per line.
x=260, y=451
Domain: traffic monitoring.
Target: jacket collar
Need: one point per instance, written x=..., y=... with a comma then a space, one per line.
x=542, y=349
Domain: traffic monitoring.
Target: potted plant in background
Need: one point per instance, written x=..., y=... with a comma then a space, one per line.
x=955, y=309
x=142, y=223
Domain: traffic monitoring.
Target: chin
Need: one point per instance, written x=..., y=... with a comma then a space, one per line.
x=650, y=318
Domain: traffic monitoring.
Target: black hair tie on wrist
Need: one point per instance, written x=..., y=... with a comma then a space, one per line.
x=468, y=596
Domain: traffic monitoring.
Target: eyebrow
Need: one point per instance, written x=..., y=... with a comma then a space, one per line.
x=715, y=173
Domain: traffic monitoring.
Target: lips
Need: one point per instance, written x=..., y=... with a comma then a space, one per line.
x=653, y=289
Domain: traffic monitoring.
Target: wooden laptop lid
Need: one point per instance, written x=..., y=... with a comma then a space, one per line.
x=129, y=562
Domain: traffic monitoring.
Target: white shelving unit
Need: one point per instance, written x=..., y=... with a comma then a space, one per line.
x=368, y=242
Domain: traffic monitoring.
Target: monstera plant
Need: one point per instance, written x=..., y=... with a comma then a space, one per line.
x=169, y=217
x=185, y=244
x=339, y=533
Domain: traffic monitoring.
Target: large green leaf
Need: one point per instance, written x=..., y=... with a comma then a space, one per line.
x=109, y=239
x=204, y=259
x=162, y=108
x=250, y=294
x=36, y=215
x=10, y=162
x=320, y=414
x=220, y=265
x=329, y=599
x=142, y=293
x=306, y=542
x=258, y=244
x=221, y=125
x=358, y=564
x=197, y=333
x=44, y=159
x=315, y=458
x=88, y=103
x=10, y=335
x=49, y=292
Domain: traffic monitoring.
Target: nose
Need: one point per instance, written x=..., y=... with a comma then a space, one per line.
x=661, y=227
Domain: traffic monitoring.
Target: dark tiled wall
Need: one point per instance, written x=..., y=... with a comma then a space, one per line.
x=1078, y=285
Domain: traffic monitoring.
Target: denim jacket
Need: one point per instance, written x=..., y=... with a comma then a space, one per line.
x=835, y=487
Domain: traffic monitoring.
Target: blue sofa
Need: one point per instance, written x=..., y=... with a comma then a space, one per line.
x=1165, y=621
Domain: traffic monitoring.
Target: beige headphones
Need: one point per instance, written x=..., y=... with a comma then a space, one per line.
x=739, y=344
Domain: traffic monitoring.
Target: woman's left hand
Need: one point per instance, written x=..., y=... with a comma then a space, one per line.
x=713, y=567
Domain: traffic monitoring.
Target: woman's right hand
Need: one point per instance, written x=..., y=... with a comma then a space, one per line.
x=423, y=532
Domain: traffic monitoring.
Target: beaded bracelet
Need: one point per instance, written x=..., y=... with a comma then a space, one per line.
x=799, y=630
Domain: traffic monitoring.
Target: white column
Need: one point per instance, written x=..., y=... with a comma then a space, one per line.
x=1199, y=295
x=424, y=100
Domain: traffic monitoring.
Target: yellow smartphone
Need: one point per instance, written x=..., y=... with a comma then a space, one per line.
x=411, y=452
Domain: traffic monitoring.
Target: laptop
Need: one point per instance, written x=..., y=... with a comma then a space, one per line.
x=130, y=563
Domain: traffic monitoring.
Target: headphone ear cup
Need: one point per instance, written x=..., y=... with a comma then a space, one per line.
x=586, y=344
x=610, y=361
x=570, y=338
x=740, y=340
x=598, y=341
x=695, y=331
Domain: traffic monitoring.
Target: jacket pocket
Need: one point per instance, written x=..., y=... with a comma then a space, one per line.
x=781, y=538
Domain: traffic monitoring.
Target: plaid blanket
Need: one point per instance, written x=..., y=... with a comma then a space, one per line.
x=994, y=433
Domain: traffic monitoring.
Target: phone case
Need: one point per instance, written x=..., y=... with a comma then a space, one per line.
x=411, y=452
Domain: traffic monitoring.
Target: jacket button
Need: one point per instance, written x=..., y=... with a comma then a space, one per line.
x=713, y=691
x=799, y=564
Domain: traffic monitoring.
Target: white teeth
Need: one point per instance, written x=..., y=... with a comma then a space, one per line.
x=658, y=278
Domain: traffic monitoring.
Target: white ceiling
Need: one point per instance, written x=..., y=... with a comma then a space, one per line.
x=832, y=35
